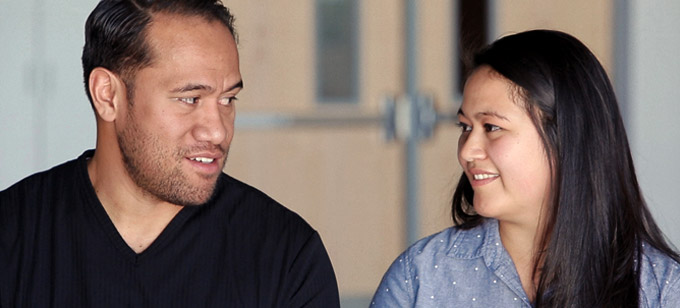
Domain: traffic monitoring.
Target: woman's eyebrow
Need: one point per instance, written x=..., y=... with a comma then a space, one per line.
x=485, y=113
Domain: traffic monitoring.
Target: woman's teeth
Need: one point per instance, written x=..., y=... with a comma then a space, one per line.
x=484, y=176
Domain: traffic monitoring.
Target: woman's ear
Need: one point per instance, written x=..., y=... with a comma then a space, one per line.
x=108, y=92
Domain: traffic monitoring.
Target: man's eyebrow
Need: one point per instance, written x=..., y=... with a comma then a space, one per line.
x=238, y=85
x=195, y=86
x=485, y=113
x=191, y=87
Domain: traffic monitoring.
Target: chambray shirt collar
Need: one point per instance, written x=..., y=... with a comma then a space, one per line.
x=484, y=242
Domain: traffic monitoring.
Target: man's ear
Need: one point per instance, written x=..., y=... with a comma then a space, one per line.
x=108, y=93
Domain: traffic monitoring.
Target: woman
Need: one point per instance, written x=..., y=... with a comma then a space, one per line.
x=548, y=212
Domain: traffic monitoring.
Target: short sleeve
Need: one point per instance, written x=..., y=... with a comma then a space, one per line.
x=397, y=286
x=314, y=283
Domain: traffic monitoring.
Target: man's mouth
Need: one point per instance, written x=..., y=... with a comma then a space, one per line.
x=204, y=160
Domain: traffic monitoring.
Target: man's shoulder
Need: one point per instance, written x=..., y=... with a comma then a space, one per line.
x=39, y=183
x=35, y=202
x=266, y=240
x=232, y=186
x=252, y=208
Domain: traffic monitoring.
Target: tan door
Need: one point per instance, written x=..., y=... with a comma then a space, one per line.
x=328, y=159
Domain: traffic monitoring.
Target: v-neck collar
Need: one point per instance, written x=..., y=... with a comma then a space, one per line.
x=95, y=208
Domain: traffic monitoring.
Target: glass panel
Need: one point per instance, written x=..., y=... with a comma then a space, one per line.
x=336, y=24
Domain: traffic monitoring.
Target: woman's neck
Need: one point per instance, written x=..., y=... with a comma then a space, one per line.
x=522, y=244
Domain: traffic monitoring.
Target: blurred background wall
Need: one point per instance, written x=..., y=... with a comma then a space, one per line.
x=311, y=124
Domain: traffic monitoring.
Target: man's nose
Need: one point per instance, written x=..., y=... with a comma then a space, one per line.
x=211, y=124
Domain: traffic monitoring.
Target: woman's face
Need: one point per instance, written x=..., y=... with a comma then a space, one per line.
x=501, y=151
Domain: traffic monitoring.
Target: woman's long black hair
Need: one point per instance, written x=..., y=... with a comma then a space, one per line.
x=597, y=221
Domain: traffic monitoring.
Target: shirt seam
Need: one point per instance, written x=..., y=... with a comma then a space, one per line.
x=409, y=275
x=675, y=285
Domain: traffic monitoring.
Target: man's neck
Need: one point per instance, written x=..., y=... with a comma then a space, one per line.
x=138, y=216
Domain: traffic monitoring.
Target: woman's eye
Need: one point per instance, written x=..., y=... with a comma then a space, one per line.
x=188, y=100
x=491, y=127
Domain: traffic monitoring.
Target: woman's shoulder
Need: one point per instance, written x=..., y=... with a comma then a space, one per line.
x=453, y=267
x=659, y=278
x=455, y=242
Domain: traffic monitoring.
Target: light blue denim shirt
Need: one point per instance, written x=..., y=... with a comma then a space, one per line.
x=471, y=268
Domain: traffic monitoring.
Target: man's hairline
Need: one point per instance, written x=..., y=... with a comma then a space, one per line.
x=128, y=76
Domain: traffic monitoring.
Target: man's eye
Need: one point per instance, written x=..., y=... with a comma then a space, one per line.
x=226, y=101
x=464, y=127
x=188, y=100
x=491, y=127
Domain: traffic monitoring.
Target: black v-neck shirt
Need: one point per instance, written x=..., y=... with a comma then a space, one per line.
x=59, y=248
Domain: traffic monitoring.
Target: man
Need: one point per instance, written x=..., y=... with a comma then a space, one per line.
x=148, y=219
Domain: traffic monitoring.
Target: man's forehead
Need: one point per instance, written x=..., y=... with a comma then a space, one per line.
x=172, y=26
x=176, y=36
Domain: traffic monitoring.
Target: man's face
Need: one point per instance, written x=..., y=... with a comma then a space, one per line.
x=174, y=136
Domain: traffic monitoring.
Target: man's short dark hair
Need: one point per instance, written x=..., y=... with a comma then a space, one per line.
x=115, y=33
